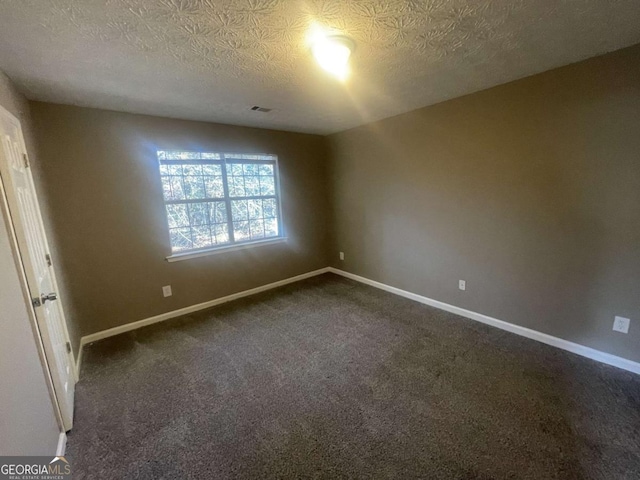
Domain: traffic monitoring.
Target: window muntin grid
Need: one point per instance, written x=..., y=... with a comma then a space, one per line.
x=217, y=199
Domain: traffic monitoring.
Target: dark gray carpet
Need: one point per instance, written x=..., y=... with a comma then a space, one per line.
x=327, y=378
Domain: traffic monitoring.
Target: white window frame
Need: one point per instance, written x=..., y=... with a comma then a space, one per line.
x=232, y=245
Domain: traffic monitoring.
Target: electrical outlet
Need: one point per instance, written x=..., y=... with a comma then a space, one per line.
x=621, y=324
x=462, y=285
x=341, y=255
x=166, y=291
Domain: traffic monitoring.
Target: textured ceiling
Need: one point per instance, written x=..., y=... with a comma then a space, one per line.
x=212, y=60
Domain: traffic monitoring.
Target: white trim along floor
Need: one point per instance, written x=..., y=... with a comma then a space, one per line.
x=62, y=445
x=576, y=348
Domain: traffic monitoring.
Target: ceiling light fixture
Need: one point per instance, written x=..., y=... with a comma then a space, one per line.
x=332, y=53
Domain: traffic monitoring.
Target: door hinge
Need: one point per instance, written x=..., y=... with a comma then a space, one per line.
x=68, y=347
x=25, y=160
x=48, y=258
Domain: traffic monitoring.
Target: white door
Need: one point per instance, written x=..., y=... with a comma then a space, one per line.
x=34, y=252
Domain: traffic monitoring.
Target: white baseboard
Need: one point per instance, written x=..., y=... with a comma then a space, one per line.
x=78, y=362
x=588, y=352
x=576, y=348
x=62, y=445
x=183, y=311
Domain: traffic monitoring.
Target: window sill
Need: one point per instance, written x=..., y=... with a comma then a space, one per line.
x=176, y=257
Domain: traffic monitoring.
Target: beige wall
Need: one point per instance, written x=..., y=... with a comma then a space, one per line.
x=27, y=419
x=104, y=196
x=529, y=191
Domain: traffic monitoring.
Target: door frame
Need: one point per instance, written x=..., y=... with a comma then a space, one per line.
x=17, y=247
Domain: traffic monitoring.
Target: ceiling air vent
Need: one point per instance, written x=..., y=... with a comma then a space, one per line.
x=256, y=108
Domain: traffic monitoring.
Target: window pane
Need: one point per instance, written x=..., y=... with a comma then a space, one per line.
x=166, y=187
x=255, y=209
x=178, y=155
x=271, y=227
x=180, y=239
x=236, y=187
x=241, y=231
x=266, y=170
x=251, y=186
x=217, y=212
x=239, y=210
x=269, y=207
x=267, y=186
x=221, y=233
x=176, y=188
x=177, y=215
x=257, y=229
x=211, y=170
x=250, y=169
x=199, y=213
x=174, y=169
x=190, y=169
x=201, y=237
x=193, y=187
x=234, y=169
x=214, y=187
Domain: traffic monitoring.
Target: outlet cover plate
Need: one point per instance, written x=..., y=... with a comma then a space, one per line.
x=621, y=324
x=166, y=291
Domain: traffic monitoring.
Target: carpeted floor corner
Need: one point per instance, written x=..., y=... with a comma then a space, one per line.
x=327, y=378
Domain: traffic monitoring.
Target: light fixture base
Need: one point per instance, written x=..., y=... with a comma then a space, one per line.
x=344, y=40
x=332, y=52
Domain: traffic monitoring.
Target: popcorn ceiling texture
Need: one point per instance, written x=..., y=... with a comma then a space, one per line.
x=212, y=60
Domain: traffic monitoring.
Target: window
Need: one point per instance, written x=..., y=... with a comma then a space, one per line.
x=219, y=199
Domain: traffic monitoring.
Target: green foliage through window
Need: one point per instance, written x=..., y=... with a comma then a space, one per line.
x=218, y=199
